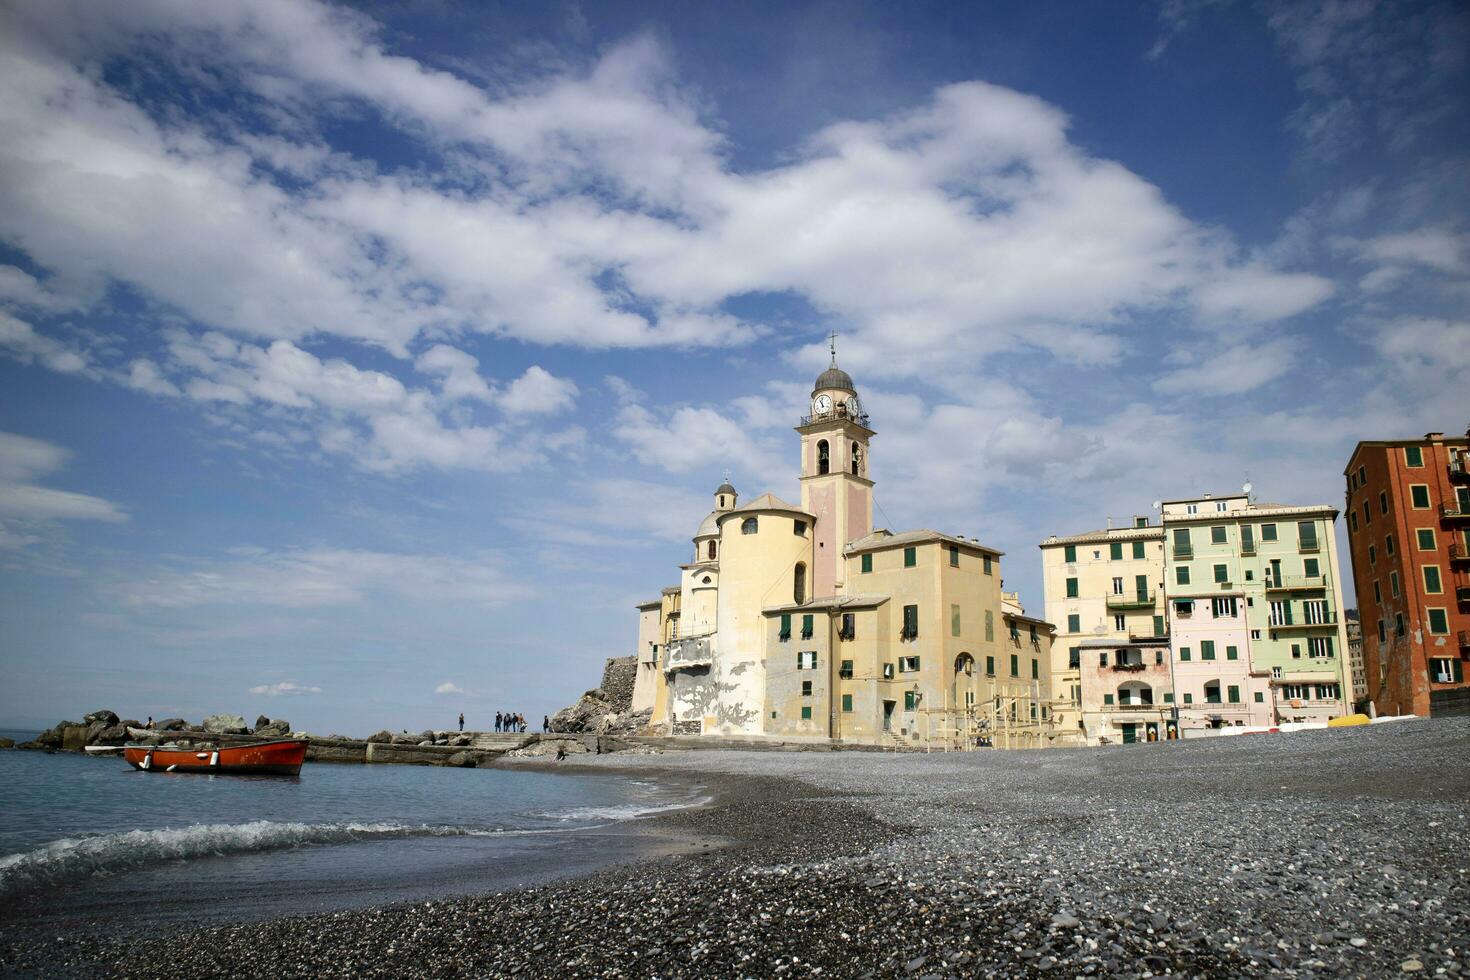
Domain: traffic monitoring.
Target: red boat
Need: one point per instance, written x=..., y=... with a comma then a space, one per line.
x=279, y=758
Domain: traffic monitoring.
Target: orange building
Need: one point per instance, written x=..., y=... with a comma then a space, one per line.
x=1408, y=507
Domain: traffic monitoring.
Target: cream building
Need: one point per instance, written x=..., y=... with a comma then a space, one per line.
x=1100, y=586
x=801, y=621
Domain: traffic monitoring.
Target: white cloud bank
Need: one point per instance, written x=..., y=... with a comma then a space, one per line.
x=284, y=688
x=23, y=461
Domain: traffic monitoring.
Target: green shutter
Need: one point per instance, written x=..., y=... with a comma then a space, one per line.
x=1222, y=573
x=1015, y=665
x=1071, y=588
x=1138, y=549
x=1459, y=671
x=1231, y=653
x=1107, y=699
x=1217, y=535
x=1260, y=698
x=989, y=665
x=1438, y=623
x=1188, y=698
x=1115, y=551
x=1181, y=574
x=785, y=624
x=1233, y=694
x=910, y=557
x=985, y=560
x=1074, y=623
x=806, y=713
x=867, y=563
x=1168, y=697
x=1413, y=456
x=1036, y=670
x=1069, y=553
x=1158, y=626
x=847, y=702
x=1207, y=649
x=1184, y=653
x=1431, y=579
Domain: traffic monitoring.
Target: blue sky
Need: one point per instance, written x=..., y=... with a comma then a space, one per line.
x=362, y=365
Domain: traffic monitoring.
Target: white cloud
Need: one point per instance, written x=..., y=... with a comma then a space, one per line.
x=538, y=392
x=1226, y=370
x=21, y=341
x=325, y=577
x=459, y=371
x=284, y=688
x=449, y=687
x=24, y=460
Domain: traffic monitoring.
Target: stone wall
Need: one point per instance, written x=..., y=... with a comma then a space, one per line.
x=618, y=678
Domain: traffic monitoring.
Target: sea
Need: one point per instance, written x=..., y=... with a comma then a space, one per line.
x=91, y=842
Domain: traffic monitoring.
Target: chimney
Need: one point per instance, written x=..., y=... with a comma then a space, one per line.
x=1434, y=436
x=1110, y=523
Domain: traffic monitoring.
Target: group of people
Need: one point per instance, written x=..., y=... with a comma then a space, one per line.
x=507, y=722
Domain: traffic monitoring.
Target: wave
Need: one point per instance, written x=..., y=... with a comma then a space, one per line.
x=72, y=858
x=619, y=811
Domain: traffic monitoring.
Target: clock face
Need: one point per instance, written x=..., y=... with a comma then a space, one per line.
x=823, y=403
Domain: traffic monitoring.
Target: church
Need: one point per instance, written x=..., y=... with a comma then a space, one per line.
x=804, y=623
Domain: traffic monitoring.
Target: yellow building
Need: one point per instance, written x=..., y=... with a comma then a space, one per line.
x=1100, y=586
x=803, y=622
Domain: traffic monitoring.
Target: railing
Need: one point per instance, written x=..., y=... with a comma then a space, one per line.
x=1309, y=544
x=1462, y=593
x=1459, y=552
x=1329, y=621
x=1297, y=582
x=1183, y=551
x=1133, y=668
x=1453, y=512
x=1459, y=467
x=838, y=412
x=1130, y=600
x=1130, y=706
x=1464, y=638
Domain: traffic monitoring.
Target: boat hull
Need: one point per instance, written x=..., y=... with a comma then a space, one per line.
x=282, y=758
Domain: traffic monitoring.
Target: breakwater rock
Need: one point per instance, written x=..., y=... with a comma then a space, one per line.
x=597, y=713
x=104, y=727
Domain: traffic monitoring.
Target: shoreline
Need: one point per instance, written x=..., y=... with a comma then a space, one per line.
x=1297, y=855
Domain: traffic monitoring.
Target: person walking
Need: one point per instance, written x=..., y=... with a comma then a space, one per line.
x=545, y=723
x=461, y=722
x=497, y=722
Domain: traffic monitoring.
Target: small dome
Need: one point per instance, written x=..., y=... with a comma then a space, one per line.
x=834, y=377
x=710, y=526
x=725, y=488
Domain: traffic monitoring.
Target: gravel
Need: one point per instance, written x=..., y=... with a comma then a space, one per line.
x=1330, y=853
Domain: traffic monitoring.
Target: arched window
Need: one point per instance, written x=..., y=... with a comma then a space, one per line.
x=1135, y=692
x=857, y=459
x=964, y=664
x=798, y=583
x=711, y=551
x=748, y=526
x=1212, y=692
x=722, y=500
x=824, y=457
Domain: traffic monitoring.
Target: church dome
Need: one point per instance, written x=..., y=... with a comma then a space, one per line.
x=725, y=488
x=834, y=377
x=710, y=526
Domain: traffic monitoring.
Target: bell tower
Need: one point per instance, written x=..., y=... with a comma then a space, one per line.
x=835, y=487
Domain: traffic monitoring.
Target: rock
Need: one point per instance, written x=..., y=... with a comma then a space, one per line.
x=116, y=735
x=261, y=721
x=403, y=738
x=103, y=715
x=596, y=713
x=275, y=728
x=459, y=740
x=426, y=736
x=7, y=743
x=74, y=737
x=1357, y=942
x=171, y=725
x=51, y=739
x=384, y=736
x=131, y=723
x=95, y=730
x=1411, y=966
x=465, y=760
x=226, y=725
x=1065, y=920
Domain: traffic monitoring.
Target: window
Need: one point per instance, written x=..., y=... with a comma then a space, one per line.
x=1307, y=534
x=1382, y=631
x=1393, y=584
x=989, y=666
x=847, y=702
x=1296, y=651
x=806, y=660
x=1222, y=573
x=1182, y=547
x=990, y=624
x=1035, y=669
x=1367, y=513
x=1232, y=694
x=1071, y=588
x=1181, y=574
x=1188, y=698
x=1191, y=508
x=985, y=563
x=1232, y=653
x=1217, y=535
x=1168, y=697
x=910, y=623
x=1074, y=623
x=1319, y=647
x=798, y=528
x=1419, y=495
x=907, y=665
x=1426, y=540
x=867, y=563
x=1255, y=634
x=1353, y=521
x=1388, y=544
x=910, y=557
x=1247, y=539
x=1310, y=568
x=1259, y=697
x=954, y=556
x=1431, y=580
x=824, y=457
x=1138, y=549
x=1362, y=475
x=806, y=626
x=1220, y=506
x=1069, y=553
x=1443, y=670
x=888, y=672
x=1015, y=665
x=806, y=713
x=1159, y=626
x=806, y=689
x=1117, y=585
x=849, y=627
x=1413, y=456
x=1377, y=592
x=1280, y=612
x=749, y=526
x=1383, y=501
x=844, y=669
x=954, y=619
x=1115, y=551
x=910, y=700
x=1294, y=692
x=857, y=458
x=1140, y=522
x=798, y=583
x=1439, y=623
x=1207, y=649
x=1184, y=653
x=1268, y=532
x=1102, y=658
x=1074, y=658
x=1276, y=673
x=711, y=551
x=1120, y=622
x=1315, y=612
x=1184, y=608
x=785, y=633
x=1107, y=699
x=1224, y=607
x=1327, y=692
x=1398, y=624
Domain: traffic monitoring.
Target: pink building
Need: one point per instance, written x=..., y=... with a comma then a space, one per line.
x=1214, y=684
x=1127, y=690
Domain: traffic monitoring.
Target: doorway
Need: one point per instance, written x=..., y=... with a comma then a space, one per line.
x=1130, y=733
x=888, y=707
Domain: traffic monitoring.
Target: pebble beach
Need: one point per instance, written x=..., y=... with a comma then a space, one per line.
x=1326, y=854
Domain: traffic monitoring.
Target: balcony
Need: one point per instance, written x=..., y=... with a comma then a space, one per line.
x=1130, y=668
x=1460, y=467
x=1454, y=512
x=1459, y=552
x=1290, y=583
x=1329, y=622
x=688, y=653
x=1464, y=638
x=1131, y=600
x=1130, y=706
x=1462, y=593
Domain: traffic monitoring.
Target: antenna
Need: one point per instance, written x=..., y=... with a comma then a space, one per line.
x=1246, y=488
x=832, y=346
x=1158, y=504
